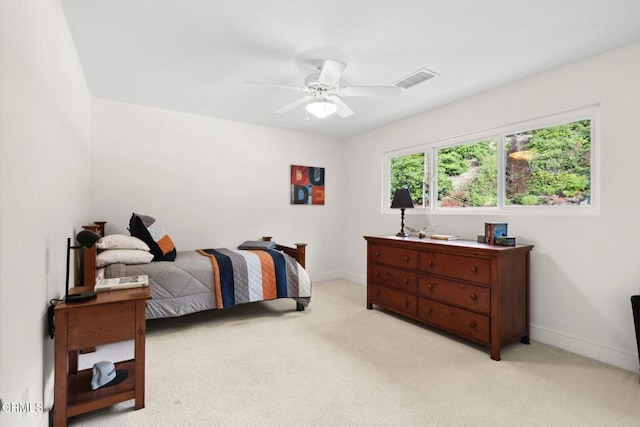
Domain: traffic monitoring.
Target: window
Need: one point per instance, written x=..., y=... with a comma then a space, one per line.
x=549, y=166
x=411, y=171
x=468, y=175
x=539, y=165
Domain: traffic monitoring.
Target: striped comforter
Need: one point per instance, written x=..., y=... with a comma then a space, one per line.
x=242, y=276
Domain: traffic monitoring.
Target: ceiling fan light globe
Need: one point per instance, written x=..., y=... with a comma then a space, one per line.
x=321, y=108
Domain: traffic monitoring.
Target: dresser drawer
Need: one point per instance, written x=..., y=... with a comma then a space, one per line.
x=398, y=257
x=456, y=320
x=462, y=294
x=401, y=279
x=392, y=299
x=456, y=266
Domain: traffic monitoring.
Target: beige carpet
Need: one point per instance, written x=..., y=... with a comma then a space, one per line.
x=339, y=364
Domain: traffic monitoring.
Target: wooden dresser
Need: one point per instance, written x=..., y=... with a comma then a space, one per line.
x=476, y=291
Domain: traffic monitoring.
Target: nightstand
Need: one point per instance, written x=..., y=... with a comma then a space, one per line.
x=113, y=316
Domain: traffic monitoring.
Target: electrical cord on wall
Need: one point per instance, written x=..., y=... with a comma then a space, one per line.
x=50, y=313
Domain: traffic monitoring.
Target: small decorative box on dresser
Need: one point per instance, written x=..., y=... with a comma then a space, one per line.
x=473, y=290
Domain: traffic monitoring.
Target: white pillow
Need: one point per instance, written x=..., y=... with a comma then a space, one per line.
x=121, y=241
x=124, y=256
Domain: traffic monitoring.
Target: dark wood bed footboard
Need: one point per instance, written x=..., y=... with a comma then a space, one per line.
x=90, y=254
x=299, y=252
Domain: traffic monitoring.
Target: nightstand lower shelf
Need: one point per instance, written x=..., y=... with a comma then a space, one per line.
x=81, y=398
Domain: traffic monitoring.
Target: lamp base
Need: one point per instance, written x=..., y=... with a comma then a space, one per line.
x=80, y=297
x=402, y=234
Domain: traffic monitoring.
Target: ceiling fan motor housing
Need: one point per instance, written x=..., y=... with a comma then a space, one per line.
x=312, y=81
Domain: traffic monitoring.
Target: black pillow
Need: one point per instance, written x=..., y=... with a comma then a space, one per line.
x=147, y=229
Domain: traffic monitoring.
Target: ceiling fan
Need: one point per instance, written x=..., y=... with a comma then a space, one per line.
x=324, y=92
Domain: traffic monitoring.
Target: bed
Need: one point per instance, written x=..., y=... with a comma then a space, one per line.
x=205, y=279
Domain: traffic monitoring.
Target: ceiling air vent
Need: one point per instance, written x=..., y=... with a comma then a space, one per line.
x=414, y=78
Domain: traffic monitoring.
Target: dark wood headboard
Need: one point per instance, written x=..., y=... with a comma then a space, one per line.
x=90, y=254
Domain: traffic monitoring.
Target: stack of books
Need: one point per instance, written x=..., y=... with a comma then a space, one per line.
x=495, y=233
x=444, y=237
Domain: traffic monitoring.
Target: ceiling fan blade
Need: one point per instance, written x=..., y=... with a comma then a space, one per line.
x=370, y=91
x=343, y=110
x=331, y=72
x=293, y=104
x=273, y=85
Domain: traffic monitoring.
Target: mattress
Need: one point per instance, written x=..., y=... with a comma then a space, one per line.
x=188, y=284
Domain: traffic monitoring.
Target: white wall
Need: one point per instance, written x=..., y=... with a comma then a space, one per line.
x=44, y=191
x=211, y=182
x=584, y=269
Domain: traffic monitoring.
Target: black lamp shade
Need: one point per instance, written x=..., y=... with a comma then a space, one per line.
x=402, y=199
x=87, y=238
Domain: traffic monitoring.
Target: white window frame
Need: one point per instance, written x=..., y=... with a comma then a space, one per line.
x=591, y=113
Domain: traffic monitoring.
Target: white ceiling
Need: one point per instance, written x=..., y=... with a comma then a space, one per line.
x=194, y=55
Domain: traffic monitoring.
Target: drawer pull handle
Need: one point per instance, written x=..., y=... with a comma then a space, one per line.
x=430, y=263
x=474, y=297
x=406, y=280
x=474, y=269
x=377, y=254
x=406, y=259
x=406, y=303
x=472, y=324
x=429, y=310
x=377, y=273
x=430, y=286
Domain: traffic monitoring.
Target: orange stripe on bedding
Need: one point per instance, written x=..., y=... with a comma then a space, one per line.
x=216, y=278
x=269, y=290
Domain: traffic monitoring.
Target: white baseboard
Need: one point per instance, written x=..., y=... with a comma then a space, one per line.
x=323, y=277
x=354, y=278
x=592, y=350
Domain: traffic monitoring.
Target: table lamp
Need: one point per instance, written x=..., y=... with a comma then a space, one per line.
x=86, y=239
x=402, y=200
